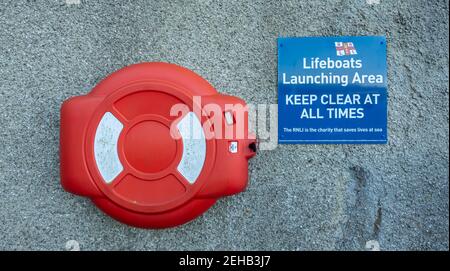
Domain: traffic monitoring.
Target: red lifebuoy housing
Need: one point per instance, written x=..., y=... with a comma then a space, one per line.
x=148, y=148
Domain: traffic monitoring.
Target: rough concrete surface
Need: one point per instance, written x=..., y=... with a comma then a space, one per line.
x=300, y=197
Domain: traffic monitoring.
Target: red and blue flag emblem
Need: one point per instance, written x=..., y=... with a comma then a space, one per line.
x=345, y=48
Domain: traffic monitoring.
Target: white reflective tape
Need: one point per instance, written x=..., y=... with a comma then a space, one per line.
x=229, y=118
x=105, y=147
x=194, y=147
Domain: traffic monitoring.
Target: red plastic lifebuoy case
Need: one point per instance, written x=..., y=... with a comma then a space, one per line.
x=123, y=146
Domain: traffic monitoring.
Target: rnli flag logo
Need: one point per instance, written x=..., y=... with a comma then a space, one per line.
x=345, y=48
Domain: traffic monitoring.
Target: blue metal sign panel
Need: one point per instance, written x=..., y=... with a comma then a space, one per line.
x=332, y=90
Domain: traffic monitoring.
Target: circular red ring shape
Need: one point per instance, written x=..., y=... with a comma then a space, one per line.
x=147, y=188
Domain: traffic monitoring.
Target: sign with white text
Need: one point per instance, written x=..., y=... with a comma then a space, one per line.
x=332, y=90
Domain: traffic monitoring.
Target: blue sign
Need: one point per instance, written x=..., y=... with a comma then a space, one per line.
x=332, y=90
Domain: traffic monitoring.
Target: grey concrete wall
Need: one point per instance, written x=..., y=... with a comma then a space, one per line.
x=300, y=197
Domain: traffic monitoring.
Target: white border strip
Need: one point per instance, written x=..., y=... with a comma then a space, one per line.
x=105, y=147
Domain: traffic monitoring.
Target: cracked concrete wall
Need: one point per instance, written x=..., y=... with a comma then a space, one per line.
x=300, y=197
